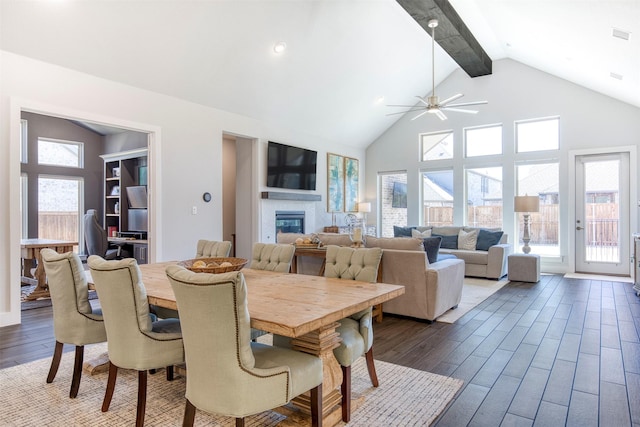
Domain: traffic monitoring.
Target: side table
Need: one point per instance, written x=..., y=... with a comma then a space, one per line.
x=524, y=267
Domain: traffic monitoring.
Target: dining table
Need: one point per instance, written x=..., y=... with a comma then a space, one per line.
x=303, y=307
x=30, y=253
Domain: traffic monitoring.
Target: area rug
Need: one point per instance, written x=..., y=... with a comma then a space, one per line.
x=406, y=397
x=474, y=291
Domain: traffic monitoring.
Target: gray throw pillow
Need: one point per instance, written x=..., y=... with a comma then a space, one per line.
x=448, y=242
x=432, y=247
x=487, y=238
x=399, y=231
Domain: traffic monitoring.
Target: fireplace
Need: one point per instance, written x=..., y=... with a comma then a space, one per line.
x=289, y=222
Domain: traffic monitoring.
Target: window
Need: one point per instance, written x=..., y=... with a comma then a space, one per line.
x=483, y=141
x=24, y=142
x=484, y=197
x=542, y=180
x=537, y=135
x=60, y=153
x=59, y=207
x=437, y=197
x=437, y=146
x=393, y=201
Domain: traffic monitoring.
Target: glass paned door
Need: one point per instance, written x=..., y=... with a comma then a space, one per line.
x=602, y=214
x=59, y=209
x=393, y=201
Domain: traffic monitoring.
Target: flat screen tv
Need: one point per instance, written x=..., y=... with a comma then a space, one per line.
x=291, y=167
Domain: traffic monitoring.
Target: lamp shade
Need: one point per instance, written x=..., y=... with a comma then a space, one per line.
x=527, y=203
x=364, y=207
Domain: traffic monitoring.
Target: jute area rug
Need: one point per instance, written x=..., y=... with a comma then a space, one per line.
x=474, y=291
x=406, y=397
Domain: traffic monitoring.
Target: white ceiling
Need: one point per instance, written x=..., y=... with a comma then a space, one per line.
x=341, y=56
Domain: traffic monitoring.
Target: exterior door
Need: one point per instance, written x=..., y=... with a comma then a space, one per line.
x=602, y=229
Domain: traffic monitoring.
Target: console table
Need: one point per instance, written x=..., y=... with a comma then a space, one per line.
x=30, y=251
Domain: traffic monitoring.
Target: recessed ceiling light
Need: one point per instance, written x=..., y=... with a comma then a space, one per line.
x=279, y=47
x=616, y=75
x=380, y=100
x=621, y=34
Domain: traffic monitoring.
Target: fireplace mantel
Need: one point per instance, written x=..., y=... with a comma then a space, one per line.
x=280, y=195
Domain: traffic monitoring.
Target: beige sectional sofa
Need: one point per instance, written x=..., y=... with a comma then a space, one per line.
x=430, y=289
x=490, y=263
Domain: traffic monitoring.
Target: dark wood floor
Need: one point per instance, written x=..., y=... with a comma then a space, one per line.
x=558, y=352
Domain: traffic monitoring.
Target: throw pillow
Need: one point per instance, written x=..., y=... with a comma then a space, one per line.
x=467, y=239
x=432, y=247
x=421, y=234
x=402, y=231
x=448, y=242
x=487, y=238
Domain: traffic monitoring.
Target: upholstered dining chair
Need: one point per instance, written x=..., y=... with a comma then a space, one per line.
x=228, y=374
x=74, y=320
x=356, y=330
x=212, y=249
x=133, y=340
x=272, y=257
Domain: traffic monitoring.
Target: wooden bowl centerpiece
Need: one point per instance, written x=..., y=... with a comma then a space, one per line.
x=215, y=265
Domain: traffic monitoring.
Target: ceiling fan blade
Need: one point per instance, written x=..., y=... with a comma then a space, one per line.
x=405, y=106
x=452, y=98
x=422, y=100
x=464, y=104
x=403, y=112
x=441, y=115
x=460, y=110
x=421, y=114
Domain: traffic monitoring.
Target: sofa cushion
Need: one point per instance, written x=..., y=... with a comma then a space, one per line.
x=448, y=242
x=399, y=231
x=487, y=238
x=442, y=257
x=421, y=234
x=432, y=247
x=469, y=257
x=467, y=239
x=448, y=230
x=410, y=244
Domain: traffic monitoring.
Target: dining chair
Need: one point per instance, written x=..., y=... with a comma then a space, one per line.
x=272, y=257
x=134, y=341
x=96, y=239
x=228, y=374
x=74, y=320
x=356, y=330
x=213, y=248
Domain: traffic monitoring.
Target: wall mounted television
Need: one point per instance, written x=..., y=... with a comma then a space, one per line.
x=291, y=167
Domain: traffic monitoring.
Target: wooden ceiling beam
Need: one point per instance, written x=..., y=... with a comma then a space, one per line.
x=451, y=34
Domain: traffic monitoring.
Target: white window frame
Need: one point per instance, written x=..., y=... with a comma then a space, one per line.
x=80, y=146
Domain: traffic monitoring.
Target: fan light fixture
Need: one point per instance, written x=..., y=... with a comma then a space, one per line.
x=279, y=47
x=432, y=104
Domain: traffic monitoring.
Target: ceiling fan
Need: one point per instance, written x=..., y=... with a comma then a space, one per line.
x=432, y=104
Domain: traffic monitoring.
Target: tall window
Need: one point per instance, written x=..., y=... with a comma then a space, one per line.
x=484, y=197
x=393, y=201
x=544, y=226
x=436, y=146
x=437, y=197
x=537, y=135
x=59, y=204
x=60, y=153
x=483, y=141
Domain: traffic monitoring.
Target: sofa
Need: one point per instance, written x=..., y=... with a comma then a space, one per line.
x=484, y=250
x=431, y=289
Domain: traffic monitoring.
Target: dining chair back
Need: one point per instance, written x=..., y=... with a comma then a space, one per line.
x=272, y=257
x=133, y=339
x=227, y=373
x=213, y=249
x=74, y=320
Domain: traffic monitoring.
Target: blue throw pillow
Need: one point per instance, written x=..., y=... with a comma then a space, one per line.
x=432, y=247
x=448, y=242
x=402, y=231
x=487, y=238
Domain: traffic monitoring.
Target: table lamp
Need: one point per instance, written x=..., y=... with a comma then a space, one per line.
x=526, y=205
x=364, y=207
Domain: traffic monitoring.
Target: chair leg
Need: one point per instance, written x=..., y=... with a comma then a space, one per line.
x=142, y=398
x=371, y=367
x=111, y=385
x=170, y=373
x=240, y=422
x=345, y=389
x=316, y=406
x=55, y=362
x=77, y=371
x=189, y=415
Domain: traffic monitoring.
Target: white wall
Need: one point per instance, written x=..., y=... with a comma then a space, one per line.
x=588, y=120
x=188, y=156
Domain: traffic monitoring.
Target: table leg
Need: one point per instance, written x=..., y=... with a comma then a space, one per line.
x=41, y=290
x=321, y=343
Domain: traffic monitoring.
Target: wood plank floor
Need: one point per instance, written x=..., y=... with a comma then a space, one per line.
x=557, y=352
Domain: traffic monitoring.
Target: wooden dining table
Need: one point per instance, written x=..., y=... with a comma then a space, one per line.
x=30, y=252
x=305, y=308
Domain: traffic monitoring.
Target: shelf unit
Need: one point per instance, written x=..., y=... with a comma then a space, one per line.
x=121, y=170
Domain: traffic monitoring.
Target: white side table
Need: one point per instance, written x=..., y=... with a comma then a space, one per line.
x=524, y=267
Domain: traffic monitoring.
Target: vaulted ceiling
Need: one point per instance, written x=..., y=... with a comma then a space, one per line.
x=341, y=58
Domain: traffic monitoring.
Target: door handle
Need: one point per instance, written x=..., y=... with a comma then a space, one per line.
x=579, y=228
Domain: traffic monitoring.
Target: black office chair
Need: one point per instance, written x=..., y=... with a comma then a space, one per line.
x=96, y=240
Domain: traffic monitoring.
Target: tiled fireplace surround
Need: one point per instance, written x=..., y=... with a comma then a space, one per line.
x=269, y=208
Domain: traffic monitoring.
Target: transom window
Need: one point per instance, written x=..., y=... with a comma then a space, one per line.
x=483, y=141
x=436, y=146
x=55, y=152
x=537, y=135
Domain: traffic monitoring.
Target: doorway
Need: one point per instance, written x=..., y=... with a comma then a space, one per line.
x=602, y=214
